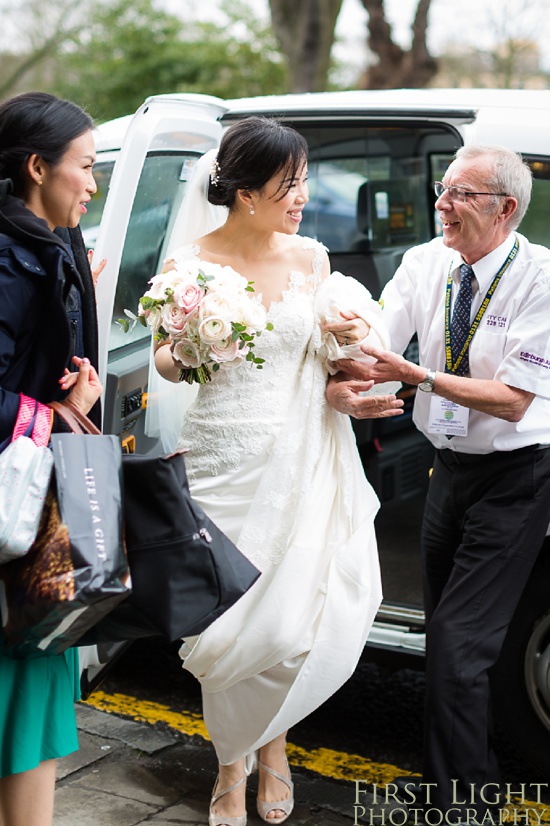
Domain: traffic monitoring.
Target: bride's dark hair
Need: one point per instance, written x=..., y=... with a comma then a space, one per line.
x=251, y=152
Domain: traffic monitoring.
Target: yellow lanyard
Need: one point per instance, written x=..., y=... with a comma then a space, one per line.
x=449, y=366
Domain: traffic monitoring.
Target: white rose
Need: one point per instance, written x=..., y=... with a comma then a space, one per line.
x=253, y=314
x=154, y=318
x=214, y=329
x=218, y=305
x=229, y=280
x=156, y=290
x=186, y=352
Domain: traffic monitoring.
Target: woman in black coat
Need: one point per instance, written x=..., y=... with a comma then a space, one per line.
x=48, y=348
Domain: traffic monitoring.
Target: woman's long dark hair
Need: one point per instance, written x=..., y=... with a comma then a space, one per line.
x=37, y=123
x=251, y=152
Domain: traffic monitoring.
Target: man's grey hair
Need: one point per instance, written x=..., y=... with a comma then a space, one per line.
x=511, y=174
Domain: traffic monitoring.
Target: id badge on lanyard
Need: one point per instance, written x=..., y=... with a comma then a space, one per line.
x=446, y=417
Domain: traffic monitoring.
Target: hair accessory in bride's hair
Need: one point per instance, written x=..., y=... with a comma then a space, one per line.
x=214, y=172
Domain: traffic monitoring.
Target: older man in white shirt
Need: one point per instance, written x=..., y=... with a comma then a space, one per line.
x=479, y=300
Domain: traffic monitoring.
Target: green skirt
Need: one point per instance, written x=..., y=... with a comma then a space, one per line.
x=37, y=715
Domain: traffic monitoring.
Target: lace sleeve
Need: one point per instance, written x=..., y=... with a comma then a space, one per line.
x=184, y=253
x=315, y=279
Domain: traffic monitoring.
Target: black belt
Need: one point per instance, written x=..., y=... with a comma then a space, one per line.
x=453, y=457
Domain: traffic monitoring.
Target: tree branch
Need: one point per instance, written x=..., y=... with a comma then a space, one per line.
x=397, y=67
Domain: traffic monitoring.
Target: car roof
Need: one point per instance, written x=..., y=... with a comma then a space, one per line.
x=399, y=100
x=517, y=118
x=110, y=134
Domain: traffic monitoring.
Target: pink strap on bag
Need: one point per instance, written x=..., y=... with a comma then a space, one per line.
x=29, y=409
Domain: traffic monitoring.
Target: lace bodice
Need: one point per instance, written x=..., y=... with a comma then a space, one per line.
x=241, y=411
x=258, y=435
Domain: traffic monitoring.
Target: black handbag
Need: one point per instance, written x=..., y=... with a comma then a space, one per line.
x=185, y=572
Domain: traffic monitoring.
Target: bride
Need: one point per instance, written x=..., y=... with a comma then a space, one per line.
x=276, y=468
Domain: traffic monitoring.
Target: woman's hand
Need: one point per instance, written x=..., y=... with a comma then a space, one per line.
x=99, y=269
x=350, y=331
x=84, y=385
x=165, y=364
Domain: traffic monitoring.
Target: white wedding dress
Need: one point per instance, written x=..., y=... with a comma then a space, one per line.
x=278, y=470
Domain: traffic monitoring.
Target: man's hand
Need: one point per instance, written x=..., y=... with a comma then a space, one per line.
x=390, y=366
x=345, y=394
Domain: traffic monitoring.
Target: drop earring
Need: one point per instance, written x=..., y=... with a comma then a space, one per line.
x=251, y=211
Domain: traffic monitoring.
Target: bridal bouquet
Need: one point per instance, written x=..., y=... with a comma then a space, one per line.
x=209, y=315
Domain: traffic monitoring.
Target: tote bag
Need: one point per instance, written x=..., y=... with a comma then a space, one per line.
x=185, y=572
x=25, y=472
x=75, y=571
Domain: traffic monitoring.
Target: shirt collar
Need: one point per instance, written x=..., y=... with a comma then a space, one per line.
x=486, y=268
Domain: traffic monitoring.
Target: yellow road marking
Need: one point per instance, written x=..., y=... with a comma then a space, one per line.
x=337, y=765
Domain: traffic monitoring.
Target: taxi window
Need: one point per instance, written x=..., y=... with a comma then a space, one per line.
x=370, y=186
x=535, y=223
x=158, y=197
x=89, y=223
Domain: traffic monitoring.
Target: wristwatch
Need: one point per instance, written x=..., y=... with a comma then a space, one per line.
x=427, y=385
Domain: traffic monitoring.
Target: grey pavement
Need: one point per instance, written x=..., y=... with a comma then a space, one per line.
x=128, y=773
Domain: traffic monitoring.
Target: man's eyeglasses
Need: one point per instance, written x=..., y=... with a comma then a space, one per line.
x=457, y=193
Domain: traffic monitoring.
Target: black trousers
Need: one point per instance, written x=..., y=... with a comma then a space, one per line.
x=484, y=524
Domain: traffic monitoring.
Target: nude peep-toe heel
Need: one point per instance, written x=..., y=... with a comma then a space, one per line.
x=223, y=820
x=266, y=806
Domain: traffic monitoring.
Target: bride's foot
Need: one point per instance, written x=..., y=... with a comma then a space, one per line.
x=228, y=797
x=275, y=788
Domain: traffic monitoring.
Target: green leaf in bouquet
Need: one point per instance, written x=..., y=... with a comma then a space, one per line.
x=147, y=303
x=203, y=278
x=129, y=323
x=161, y=334
x=124, y=323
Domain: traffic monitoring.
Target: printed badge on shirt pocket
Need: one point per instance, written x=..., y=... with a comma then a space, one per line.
x=494, y=323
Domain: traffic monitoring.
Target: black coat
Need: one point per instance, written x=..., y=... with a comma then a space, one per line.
x=37, y=271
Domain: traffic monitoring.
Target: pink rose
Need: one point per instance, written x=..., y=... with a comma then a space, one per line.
x=173, y=319
x=225, y=351
x=188, y=296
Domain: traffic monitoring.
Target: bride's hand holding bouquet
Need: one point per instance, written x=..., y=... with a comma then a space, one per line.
x=207, y=313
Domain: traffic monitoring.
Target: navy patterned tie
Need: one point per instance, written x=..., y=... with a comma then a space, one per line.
x=460, y=322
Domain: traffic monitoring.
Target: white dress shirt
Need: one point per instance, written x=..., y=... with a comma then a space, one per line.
x=511, y=344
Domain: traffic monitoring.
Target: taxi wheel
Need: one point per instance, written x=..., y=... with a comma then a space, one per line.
x=520, y=682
